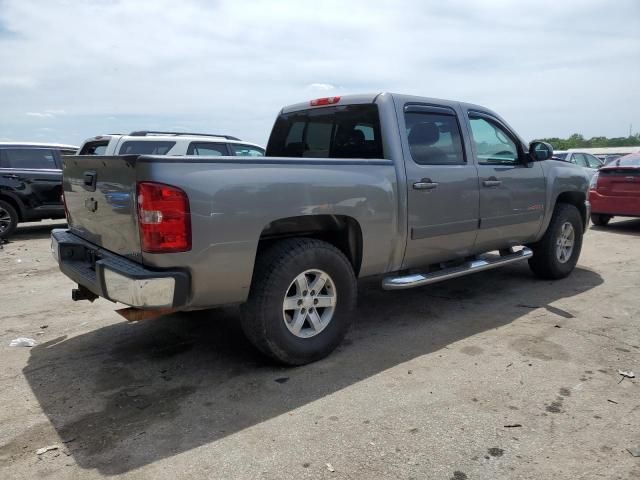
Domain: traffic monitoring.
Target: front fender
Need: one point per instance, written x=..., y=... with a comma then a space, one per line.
x=565, y=182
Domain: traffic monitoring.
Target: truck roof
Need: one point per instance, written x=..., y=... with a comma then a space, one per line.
x=371, y=97
x=397, y=98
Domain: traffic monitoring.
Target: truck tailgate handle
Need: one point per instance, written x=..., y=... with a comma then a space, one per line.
x=492, y=182
x=425, y=184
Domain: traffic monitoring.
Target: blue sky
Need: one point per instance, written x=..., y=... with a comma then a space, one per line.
x=75, y=69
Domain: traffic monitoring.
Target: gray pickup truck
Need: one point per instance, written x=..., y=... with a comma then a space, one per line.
x=414, y=189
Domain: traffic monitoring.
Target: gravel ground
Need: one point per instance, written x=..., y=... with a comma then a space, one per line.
x=491, y=376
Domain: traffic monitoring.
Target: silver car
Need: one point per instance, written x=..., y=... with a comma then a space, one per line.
x=590, y=163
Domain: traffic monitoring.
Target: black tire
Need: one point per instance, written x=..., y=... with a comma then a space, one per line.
x=600, y=220
x=545, y=262
x=8, y=219
x=276, y=268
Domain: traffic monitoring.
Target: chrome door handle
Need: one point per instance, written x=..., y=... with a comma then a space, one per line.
x=14, y=177
x=492, y=182
x=425, y=184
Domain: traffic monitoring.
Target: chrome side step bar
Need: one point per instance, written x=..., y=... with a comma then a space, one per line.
x=477, y=265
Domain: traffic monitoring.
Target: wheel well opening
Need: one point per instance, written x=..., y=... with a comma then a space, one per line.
x=14, y=204
x=577, y=199
x=342, y=231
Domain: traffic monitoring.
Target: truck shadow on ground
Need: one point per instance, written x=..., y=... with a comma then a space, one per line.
x=127, y=395
x=32, y=231
x=622, y=227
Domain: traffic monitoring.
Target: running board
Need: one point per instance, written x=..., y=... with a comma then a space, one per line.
x=477, y=265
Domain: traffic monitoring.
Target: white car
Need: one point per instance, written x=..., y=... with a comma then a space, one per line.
x=148, y=142
x=589, y=162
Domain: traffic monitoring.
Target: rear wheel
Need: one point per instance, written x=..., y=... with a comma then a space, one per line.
x=8, y=219
x=556, y=254
x=301, y=302
x=600, y=219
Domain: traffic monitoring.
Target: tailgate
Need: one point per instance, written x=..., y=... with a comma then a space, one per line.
x=99, y=194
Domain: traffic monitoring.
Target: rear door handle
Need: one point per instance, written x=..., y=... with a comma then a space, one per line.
x=14, y=177
x=425, y=184
x=492, y=182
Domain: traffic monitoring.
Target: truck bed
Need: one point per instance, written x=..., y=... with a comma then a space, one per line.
x=232, y=201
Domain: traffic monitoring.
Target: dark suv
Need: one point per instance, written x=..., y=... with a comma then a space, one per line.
x=30, y=183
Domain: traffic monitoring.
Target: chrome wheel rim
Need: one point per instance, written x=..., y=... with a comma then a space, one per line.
x=309, y=303
x=5, y=220
x=565, y=242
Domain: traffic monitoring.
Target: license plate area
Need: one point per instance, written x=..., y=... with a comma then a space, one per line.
x=79, y=253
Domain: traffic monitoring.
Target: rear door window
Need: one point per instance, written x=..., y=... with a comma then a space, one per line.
x=240, y=150
x=208, y=148
x=141, y=147
x=434, y=138
x=349, y=131
x=31, y=158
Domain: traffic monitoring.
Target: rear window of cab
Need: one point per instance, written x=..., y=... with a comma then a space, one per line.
x=344, y=131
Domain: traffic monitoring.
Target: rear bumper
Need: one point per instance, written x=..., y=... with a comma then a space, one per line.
x=116, y=278
x=608, y=205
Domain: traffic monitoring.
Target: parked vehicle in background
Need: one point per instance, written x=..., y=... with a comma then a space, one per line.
x=615, y=190
x=416, y=189
x=148, y=142
x=587, y=161
x=610, y=158
x=30, y=183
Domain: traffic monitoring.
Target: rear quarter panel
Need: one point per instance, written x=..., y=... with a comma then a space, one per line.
x=232, y=200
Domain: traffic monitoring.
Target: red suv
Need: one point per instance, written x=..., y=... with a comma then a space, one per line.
x=615, y=190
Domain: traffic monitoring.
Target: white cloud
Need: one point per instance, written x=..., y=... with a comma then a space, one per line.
x=550, y=68
x=40, y=114
x=321, y=86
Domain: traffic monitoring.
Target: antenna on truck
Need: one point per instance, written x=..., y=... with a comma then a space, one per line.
x=145, y=133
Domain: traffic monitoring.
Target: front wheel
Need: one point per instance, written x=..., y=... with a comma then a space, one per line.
x=301, y=302
x=600, y=219
x=556, y=254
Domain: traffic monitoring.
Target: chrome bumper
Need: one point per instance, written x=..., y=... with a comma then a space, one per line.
x=116, y=278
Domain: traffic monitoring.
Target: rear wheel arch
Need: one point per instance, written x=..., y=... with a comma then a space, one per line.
x=341, y=231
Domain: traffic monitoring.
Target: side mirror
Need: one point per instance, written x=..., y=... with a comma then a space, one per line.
x=540, y=150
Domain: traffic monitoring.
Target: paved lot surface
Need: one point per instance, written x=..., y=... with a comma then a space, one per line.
x=493, y=376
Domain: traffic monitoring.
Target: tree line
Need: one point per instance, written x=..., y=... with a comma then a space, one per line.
x=578, y=141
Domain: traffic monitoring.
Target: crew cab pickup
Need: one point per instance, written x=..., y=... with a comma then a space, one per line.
x=416, y=190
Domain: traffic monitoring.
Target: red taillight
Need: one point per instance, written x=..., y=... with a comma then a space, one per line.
x=164, y=218
x=324, y=101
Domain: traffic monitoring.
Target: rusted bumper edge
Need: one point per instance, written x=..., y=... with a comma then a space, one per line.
x=117, y=278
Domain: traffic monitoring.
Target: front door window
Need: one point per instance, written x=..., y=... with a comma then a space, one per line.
x=493, y=145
